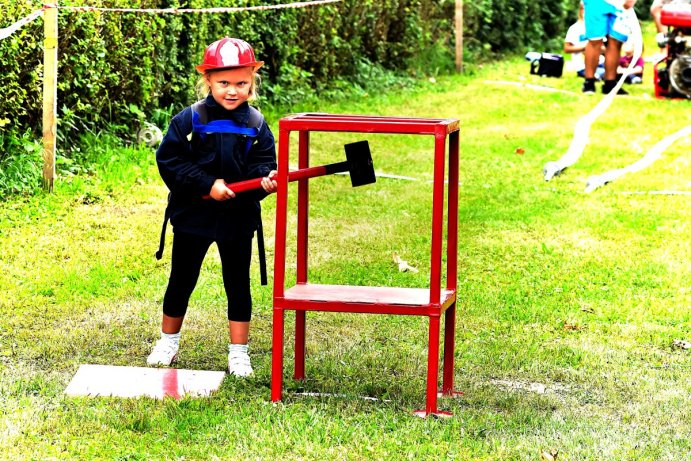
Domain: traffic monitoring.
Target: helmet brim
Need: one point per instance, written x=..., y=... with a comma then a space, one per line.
x=202, y=68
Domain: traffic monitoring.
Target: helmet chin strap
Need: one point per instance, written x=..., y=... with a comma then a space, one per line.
x=582, y=130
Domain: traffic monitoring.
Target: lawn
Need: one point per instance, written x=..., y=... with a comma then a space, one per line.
x=569, y=303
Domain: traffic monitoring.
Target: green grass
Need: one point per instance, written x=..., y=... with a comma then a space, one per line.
x=583, y=293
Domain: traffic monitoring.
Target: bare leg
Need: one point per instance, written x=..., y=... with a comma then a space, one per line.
x=592, y=57
x=171, y=325
x=612, y=55
x=655, y=12
x=239, y=332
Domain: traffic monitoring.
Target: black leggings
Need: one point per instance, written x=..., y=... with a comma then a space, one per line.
x=188, y=254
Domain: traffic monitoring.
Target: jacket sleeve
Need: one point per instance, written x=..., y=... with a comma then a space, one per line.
x=176, y=162
x=262, y=157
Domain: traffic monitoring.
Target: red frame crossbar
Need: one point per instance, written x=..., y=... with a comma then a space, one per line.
x=303, y=296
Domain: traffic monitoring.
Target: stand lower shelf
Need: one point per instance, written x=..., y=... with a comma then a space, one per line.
x=364, y=299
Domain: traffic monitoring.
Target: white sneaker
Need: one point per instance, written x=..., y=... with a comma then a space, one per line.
x=239, y=364
x=164, y=352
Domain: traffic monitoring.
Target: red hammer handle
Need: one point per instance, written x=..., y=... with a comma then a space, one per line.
x=313, y=172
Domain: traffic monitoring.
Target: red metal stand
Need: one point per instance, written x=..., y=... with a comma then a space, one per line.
x=303, y=296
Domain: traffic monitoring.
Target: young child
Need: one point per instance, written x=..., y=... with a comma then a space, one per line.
x=208, y=145
x=636, y=76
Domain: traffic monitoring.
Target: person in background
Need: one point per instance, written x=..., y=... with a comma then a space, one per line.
x=636, y=75
x=605, y=19
x=216, y=141
x=574, y=44
x=655, y=11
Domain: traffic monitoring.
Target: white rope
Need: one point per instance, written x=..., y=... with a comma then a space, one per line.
x=7, y=31
x=653, y=154
x=195, y=10
x=582, y=130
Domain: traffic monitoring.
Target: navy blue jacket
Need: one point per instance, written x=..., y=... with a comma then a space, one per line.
x=189, y=168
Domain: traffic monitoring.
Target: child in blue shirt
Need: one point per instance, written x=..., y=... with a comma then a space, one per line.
x=207, y=146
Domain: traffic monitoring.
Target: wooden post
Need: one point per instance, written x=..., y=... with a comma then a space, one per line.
x=50, y=93
x=459, y=35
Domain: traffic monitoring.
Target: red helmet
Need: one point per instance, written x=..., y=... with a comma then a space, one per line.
x=227, y=53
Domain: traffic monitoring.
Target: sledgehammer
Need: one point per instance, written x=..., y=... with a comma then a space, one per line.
x=358, y=164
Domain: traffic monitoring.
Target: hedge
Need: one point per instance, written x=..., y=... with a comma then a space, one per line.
x=116, y=68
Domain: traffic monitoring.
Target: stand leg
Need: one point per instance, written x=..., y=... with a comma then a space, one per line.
x=449, y=346
x=432, y=371
x=277, y=355
x=432, y=365
x=299, y=344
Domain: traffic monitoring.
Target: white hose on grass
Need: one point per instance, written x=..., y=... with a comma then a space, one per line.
x=582, y=130
x=653, y=154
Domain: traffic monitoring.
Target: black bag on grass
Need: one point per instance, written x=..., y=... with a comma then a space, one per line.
x=549, y=64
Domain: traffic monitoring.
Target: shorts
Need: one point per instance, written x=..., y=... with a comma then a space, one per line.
x=602, y=19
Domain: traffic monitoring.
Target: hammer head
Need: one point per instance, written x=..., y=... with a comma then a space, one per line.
x=360, y=163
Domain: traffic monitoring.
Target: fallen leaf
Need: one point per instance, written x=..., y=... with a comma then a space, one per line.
x=573, y=326
x=550, y=455
x=403, y=265
x=520, y=151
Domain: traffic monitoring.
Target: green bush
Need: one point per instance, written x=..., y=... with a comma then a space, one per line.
x=20, y=173
x=117, y=68
x=515, y=25
x=21, y=74
x=642, y=8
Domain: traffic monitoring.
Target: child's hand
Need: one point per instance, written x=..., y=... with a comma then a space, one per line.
x=220, y=192
x=269, y=184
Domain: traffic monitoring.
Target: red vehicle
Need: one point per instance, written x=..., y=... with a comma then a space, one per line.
x=673, y=72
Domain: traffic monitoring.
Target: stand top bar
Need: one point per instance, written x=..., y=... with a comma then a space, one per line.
x=367, y=124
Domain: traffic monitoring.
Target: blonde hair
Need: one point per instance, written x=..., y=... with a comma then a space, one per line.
x=202, y=87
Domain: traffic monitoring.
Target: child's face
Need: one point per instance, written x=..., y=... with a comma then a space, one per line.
x=231, y=87
x=627, y=48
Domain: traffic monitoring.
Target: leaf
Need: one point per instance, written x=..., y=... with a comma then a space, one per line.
x=550, y=455
x=403, y=265
x=573, y=326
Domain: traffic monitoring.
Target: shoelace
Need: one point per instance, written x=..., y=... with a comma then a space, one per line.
x=164, y=347
x=240, y=364
x=241, y=359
